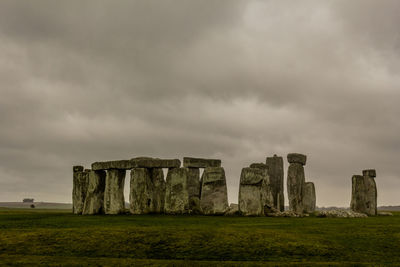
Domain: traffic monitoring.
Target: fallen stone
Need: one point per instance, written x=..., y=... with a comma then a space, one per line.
x=287, y=213
x=214, y=195
x=309, y=198
x=114, y=201
x=176, y=193
x=297, y=158
x=370, y=173
x=340, y=213
x=233, y=210
x=276, y=178
x=200, y=163
x=194, y=189
x=79, y=189
x=295, y=184
x=94, y=202
x=144, y=162
x=385, y=213
x=114, y=164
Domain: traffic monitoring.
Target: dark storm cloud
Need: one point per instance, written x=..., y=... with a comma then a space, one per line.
x=97, y=80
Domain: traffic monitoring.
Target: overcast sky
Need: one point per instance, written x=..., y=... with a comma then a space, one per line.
x=85, y=81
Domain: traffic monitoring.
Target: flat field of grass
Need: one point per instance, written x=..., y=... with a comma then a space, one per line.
x=56, y=237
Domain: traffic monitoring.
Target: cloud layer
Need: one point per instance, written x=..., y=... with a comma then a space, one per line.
x=236, y=80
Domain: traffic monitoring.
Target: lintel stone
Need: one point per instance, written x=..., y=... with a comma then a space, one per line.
x=144, y=162
x=370, y=173
x=114, y=164
x=297, y=158
x=200, y=162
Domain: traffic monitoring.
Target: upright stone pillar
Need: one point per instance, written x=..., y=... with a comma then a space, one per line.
x=159, y=186
x=114, y=201
x=214, y=195
x=275, y=171
x=295, y=181
x=194, y=189
x=176, y=193
x=254, y=191
x=357, y=194
x=370, y=192
x=79, y=188
x=141, y=191
x=94, y=203
x=309, y=198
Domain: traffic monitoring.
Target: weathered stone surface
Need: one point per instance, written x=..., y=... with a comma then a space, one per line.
x=194, y=189
x=141, y=191
x=79, y=189
x=295, y=184
x=357, y=203
x=364, y=194
x=340, y=213
x=233, y=210
x=159, y=185
x=77, y=168
x=370, y=196
x=176, y=193
x=114, y=201
x=214, y=195
x=94, y=203
x=309, y=198
x=114, y=164
x=259, y=165
x=276, y=178
x=254, y=191
x=200, y=163
x=147, y=191
x=297, y=158
x=145, y=162
x=370, y=173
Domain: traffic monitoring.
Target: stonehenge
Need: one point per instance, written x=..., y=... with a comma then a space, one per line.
x=276, y=177
x=301, y=195
x=364, y=193
x=100, y=190
x=255, y=192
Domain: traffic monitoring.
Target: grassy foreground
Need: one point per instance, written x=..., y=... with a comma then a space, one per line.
x=52, y=237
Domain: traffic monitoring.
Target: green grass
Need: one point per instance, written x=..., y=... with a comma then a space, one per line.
x=55, y=237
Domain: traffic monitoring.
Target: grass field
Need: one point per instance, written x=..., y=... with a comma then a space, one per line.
x=55, y=237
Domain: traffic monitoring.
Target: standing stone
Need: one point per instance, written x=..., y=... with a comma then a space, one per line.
x=214, y=195
x=158, y=182
x=275, y=171
x=194, y=189
x=114, y=201
x=357, y=194
x=79, y=189
x=141, y=191
x=176, y=193
x=254, y=191
x=295, y=181
x=309, y=198
x=94, y=203
x=364, y=193
x=370, y=192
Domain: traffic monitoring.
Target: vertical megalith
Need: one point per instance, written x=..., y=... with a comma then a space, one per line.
x=275, y=171
x=295, y=181
x=309, y=198
x=176, y=192
x=158, y=183
x=364, y=193
x=79, y=188
x=357, y=194
x=254, y=191
x=141, y=191
x=194, y=189
x=114, y=201
x=94, y=203
x=214, y=195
